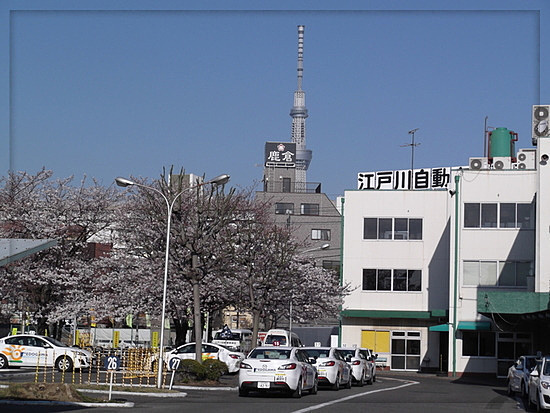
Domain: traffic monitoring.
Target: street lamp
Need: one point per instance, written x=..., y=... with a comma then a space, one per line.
x=123, y=182
x=322, y=247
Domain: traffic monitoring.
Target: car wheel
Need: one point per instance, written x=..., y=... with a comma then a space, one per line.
x=348, y=384
x=298, y=392
x=509, y=390
x=64, y=363
x=315, y=387
x=361, y=381
x=336, y=385
x=243, y=392
x=3, y=362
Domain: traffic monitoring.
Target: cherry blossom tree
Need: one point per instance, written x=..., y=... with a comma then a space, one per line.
x=57, y=283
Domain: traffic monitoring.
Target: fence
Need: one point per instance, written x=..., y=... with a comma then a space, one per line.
x=138, y=367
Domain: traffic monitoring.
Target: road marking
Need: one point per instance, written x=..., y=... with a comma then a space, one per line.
x=343, y=399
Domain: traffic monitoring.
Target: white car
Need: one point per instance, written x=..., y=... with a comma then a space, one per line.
x=209, y=351
x=518, y=375
x=539, y=385
x=331, y=366
x=31, y=350
x=361, y=363
x=276, y=368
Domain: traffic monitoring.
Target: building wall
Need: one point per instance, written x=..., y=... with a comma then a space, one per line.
x=431, y=254
x=302, y=225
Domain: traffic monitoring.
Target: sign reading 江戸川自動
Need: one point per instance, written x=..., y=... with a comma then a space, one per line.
x=426, y=178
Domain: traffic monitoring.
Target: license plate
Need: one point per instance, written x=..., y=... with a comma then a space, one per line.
x=263, y=385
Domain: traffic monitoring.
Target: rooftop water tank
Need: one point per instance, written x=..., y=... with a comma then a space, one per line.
x=501, y=143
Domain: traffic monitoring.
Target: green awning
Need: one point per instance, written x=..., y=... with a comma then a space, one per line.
x=440, y=327
x=474, y=325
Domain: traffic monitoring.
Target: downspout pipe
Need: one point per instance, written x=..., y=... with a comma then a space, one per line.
x=455, y=275
x=341, y=268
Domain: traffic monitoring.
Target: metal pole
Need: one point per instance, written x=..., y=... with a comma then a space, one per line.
x=165, y=286
x=455, y=280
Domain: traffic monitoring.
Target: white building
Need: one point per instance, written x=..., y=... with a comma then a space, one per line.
x=451, y=265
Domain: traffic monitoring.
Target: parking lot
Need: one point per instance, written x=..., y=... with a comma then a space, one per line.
x=392, y=392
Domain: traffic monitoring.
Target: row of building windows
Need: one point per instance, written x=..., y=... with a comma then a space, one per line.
x=503, y=215
x=496, y=273
x=392, y=280
x=392, y=228
x=287, y=208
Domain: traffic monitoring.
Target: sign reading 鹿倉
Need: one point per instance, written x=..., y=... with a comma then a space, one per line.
x=280, y=154
x=429, y=178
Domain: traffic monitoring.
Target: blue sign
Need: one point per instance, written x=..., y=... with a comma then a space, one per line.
x=174, y=363
x=112, y=363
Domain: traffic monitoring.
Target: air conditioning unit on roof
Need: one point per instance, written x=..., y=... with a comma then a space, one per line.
x=502, y=162
x=526, y=158
x=478, y=163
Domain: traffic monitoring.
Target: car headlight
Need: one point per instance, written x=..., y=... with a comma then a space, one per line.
x=545, y=385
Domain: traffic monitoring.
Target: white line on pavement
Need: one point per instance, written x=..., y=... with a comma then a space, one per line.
x=343, y=399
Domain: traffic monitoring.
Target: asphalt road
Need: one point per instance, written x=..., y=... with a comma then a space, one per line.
x=392, y=392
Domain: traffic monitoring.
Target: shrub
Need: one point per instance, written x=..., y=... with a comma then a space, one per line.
x=214, y=369
x=190, y=370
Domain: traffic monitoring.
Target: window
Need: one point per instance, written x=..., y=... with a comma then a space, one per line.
x=478, y=344
x=284, y=208
x=320, y=234
x=370, y=228
x=506, y=215
x=309, y=209
x=392, y=280
x=496, y=273
x=392, y=228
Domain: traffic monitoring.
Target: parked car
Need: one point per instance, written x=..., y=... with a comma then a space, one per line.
x=539, y=385
x=362, y=365
x=518, y=375
x=209, y=351
x=277, y=337
x=236, y=339
x=331, y=366
x=277, y=368
x=31, y=350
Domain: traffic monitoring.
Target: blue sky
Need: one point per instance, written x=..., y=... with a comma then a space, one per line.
x=120, y=88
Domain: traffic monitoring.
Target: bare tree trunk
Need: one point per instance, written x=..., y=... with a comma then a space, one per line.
x=255, y=327
x=197, y=320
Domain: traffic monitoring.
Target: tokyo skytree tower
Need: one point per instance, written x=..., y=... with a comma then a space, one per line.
x=299, y=115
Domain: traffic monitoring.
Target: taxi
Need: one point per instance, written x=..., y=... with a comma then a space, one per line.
x=31, y=350
x=209, y=351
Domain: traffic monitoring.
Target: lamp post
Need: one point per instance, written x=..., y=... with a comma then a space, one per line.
x=123, y=182
x=322, y=247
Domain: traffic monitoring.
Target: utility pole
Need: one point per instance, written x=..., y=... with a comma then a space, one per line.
x=412, y=145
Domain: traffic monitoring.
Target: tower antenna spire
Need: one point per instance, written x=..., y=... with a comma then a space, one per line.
x=299, y=115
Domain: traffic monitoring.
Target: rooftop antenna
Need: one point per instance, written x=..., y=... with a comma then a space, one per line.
x=412, y=145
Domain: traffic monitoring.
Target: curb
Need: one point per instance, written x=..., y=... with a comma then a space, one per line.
x=134, y=393
x=59, y=403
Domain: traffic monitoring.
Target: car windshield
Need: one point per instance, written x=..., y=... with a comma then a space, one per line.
x=546, y=370
x=316, y=353
x=268, y=354
x=346, y=353
x=530, y=363
x=272, y=339
x=55, y=342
